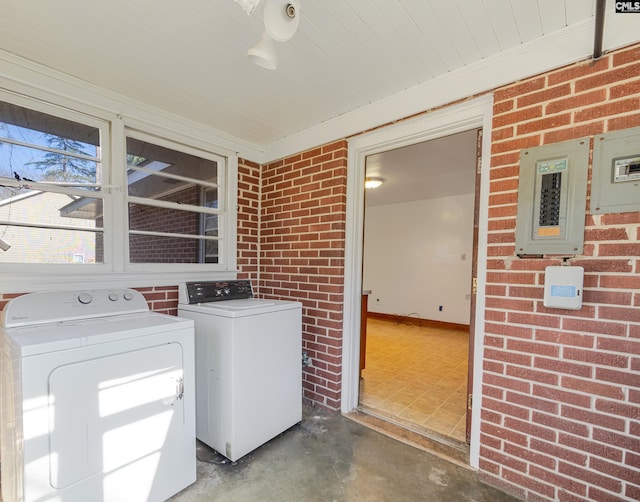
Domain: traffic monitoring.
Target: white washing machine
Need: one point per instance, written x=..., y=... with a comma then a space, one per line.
x=98, y=398
x=248, y=365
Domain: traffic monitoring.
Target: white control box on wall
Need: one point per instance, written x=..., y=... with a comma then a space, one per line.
x=563, y=287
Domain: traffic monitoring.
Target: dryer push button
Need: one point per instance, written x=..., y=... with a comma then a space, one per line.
x=85, y=298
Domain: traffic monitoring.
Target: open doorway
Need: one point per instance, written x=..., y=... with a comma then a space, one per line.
x=417, y=282
x=471, y=114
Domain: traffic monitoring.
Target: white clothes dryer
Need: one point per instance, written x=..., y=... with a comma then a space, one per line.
x=98, y=398
x=248, y=364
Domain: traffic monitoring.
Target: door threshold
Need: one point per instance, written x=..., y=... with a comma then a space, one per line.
x=427, y=440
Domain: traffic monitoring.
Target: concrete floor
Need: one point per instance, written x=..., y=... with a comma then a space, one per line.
x=331, y=458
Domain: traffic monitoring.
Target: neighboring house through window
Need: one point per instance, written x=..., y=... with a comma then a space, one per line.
x=49, y=165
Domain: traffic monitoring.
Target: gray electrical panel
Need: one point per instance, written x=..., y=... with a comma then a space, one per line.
x=615, y=183
x=552, y=196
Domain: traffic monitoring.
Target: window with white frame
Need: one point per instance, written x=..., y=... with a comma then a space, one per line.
x=66, y=205
x=173, y=202
x=51, y=186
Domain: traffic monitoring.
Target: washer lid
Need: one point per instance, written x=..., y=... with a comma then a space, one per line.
x=247, y=303
x=240, y=308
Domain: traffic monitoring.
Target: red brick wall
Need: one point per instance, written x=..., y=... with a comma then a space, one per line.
x=248, y=220
x=163, y=299
x=561, y=390
x=6, y=297
x=302, y=256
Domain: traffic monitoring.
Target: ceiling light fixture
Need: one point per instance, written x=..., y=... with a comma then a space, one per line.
x=264, y=53
x=371, y=182
x=281, y=19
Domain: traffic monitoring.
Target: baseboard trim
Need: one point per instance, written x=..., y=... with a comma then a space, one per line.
x=417, y=321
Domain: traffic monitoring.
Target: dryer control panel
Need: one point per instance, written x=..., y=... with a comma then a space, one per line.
x=215, y=291
x=56, y=306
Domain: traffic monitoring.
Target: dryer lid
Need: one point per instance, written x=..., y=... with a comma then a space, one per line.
x=44, y=338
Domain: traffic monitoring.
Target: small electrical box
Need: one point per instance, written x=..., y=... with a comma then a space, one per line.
x=615, y=184
x=563, y=287
x=552, y=195
x=626, y=169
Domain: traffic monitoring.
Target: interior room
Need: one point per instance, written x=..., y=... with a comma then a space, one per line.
x=186, y=237
x=420, y=218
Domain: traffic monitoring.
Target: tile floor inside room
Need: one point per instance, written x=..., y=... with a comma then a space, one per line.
x=416, y=376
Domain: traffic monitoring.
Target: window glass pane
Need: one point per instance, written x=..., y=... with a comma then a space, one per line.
x=210, y=225
x=162, y=219
x=32, y=164
x=51, y=221
x=36, y=146
x=154, y=171
x=210, y=198
x=211, y=251
x=184, y=191
x=162, y=249
x=51, y=245
x=48, y=227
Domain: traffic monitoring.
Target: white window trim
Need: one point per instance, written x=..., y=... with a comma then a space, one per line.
x=115, y=271
x=227, y=213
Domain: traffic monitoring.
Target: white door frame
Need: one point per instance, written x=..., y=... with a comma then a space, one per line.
x=470, y=114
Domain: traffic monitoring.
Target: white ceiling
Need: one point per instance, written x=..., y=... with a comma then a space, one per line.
x=189, y=56
x=441, y=167
x=352, y=64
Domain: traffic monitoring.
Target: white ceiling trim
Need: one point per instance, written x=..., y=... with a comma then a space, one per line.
x=541, y=55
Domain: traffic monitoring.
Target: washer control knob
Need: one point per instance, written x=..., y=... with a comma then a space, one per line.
x=113, y=297
x=128, y=295
x=85, y=298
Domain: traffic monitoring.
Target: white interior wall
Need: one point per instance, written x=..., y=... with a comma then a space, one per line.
x=417, y=256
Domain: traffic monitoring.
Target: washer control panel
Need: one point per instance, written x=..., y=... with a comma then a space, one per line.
x=56, y=306
x=215, y=291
